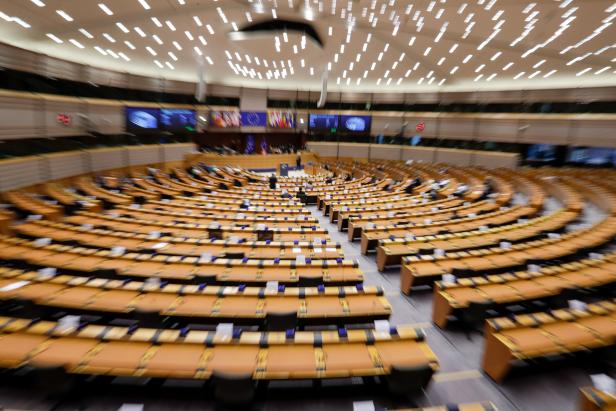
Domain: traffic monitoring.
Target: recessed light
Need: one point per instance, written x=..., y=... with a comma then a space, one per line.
x=106, y=9
x=54, y=38
x=144, y=4
x=64, y=15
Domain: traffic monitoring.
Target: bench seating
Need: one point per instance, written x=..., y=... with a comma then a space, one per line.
x=190, y=354
x=522, y=286
x=592, y=399
x=391, y=252
x=533, y=336
x=195, y=303
x=176, y=245
x=426, y=269
x=188, y=269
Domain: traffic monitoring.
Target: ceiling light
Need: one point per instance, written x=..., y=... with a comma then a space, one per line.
x=38, y=3
x=144, y=4
x=64, y=15
x=124, y=56
x=197, y=21
x=209, y=28
x=139, y=31
x=54, y=38
x=122, y=27
x=177, y=46
x=86, y=33
x=100, y=50
x=189, y=35
x=157, y=22
x=129, y=45
x=106, y=9
x=157, y=39
x=151, y=50
x=108, y=37
x=158, y=63
x=76, y=43
x=170, y=25
x=549, y=73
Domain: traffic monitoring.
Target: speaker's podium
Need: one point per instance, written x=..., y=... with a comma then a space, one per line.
x=283, y=170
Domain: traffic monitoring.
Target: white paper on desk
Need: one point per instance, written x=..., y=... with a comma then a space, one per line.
x=205, y=258
x=165, y=201
x=202, y=198
x=152, y=281
x=87, y=226
x=114, y=191
x=505, y=245
x=330, y=249
x=345, y=191
x=297, y=250
x=439, y=252
x=234, y=239
x=434, y=209
x=425, y=200
x=362, y=201
x=213, y=226
x=391, y=214
x=154, y=235
x=595, y=256
x=51, y=202
x=14, y=286
x=317, y=240
x=300, y=259
x=229, y=290
x=271, y=286
x=240, y=216
x=604, y=383
x=328, y=196
x=370, y=225
x=522, y=220
x=209, y=205
x=484, y=228
x=363, y=406
x=449, y=278
x=318, y=250
x=132, y=407
x=427, y=221
x=553, y=235
x=224, y=330
x=261, y=227
x=577, y=305
x=40, y=242
x=533, y=268
x=158, y=246
x=117, y=251
x=409, y=237
x=381, y=326
x=471, y=215
x=68, y=322
x=47, y=272
x=134, y=206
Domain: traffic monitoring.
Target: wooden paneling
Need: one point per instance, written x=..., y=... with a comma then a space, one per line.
x=21, y=172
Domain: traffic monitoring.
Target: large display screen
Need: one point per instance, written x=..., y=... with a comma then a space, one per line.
x=225, y=119
x=355, y=124
x=541, y=152
x=281, y=119
x=595, y=156
x=142, y=119
x=322, y=121
x=254, y=119
x=177, y=120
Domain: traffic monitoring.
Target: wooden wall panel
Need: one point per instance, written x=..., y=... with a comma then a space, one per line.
x=21, y=172
x=61, y=165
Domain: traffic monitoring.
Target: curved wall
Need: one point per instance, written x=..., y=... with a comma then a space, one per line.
x=488, y=159
x=28, y=171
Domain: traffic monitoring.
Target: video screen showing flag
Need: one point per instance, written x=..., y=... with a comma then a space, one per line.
x=355, y=124
x=141, y=119
x=254, y=119
x=225, y=119
x=281, y=119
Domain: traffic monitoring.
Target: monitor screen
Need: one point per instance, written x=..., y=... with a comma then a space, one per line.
x=541, y=152
x=225, y=119
x=355, y=124
x=281, y=119
x=254, y=119
x=142, y=119
x=322, y=121
x=177, y=120
x=596, y=156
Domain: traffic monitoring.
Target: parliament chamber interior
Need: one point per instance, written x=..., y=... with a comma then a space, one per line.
x=274, y=205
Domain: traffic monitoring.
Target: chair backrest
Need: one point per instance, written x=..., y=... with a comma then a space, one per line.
x=309, y=281
x=234, y=256
x=147, y=319
x=233, y=389
x=409, y=380
x=281, y=321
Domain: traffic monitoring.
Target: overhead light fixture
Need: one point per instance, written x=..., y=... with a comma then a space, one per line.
x=144, y=4
x=64, y=15
x=106, y=9
x=38, y=3
x=54, y=38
